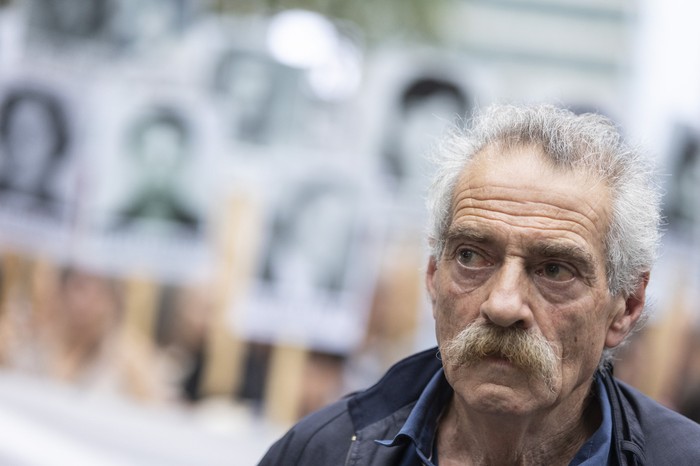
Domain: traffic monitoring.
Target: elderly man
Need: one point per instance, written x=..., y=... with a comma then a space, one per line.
x=544, y=229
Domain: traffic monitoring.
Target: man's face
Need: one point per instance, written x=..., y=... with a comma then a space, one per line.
x=525, y=252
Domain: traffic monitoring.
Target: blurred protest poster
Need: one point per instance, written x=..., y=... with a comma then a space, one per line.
x=315, y=276
x=40, y=159
x=149, y=209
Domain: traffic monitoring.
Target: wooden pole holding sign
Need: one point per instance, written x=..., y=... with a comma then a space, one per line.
x=285, y=382
x=45, y=280
x=140, y=306
x=224, y=352
x=10, y=266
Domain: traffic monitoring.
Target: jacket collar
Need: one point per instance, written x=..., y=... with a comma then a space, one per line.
x=628, y=438
x=400, y=386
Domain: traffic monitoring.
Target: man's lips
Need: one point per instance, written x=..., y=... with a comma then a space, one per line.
x=498, y=359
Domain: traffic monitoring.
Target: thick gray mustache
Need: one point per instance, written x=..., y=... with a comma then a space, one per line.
x=528, y=350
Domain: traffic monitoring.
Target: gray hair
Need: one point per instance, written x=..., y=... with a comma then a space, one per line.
x=588, y=142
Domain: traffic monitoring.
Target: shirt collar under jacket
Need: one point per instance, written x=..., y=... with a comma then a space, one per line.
x=418, y=432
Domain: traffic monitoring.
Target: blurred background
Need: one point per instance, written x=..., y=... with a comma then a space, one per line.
x=211, y=212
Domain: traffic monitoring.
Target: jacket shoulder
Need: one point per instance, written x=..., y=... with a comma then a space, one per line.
x=669, y=437
x=322, y=437
x=325, y=437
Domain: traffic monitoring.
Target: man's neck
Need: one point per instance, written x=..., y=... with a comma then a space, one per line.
x=467, y=437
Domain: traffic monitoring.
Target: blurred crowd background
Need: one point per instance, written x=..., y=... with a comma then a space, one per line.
x=215, y=208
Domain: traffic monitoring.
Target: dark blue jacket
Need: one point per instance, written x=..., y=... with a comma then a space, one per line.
x=644, y=432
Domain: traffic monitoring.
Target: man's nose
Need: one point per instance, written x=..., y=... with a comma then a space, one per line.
x=508, y=303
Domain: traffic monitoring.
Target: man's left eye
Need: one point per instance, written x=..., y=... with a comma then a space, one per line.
x=555, y=272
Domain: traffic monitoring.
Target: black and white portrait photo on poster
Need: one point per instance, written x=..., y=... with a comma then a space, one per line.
x=310, y=241
x=682, y=201
x=159, y=147
x=149, y=209
x=254, y=93
x=677, y=269
x=411, y=97
x=316, y=268
x=34, y=142
x=424, y=109
x=39, y=166
x=40, y=144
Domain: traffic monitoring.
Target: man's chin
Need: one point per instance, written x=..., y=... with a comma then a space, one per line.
x=501, y=388
x=500, y=371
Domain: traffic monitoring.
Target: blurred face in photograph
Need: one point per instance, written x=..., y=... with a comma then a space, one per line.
x=320, y=232
x=313, y=250
x=246, y=84
x=426, y=108
x=161, y=149
x=157, y=19
x=424, y=121
x=248, y=81
x=29, y=141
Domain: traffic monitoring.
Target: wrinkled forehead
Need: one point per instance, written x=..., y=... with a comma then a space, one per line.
x=526, y=175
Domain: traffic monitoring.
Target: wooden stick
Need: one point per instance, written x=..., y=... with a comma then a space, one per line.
x=236, y=249
x=141, y=306
x=283, y=390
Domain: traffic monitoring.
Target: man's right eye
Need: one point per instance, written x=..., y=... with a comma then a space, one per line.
x=470, y=258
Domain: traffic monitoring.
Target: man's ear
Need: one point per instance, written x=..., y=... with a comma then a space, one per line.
x=627, y=314
x=430, y=278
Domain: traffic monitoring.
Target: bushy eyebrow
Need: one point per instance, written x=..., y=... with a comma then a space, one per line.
x=468, y=234
x=582, y=259
x=575, y=255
